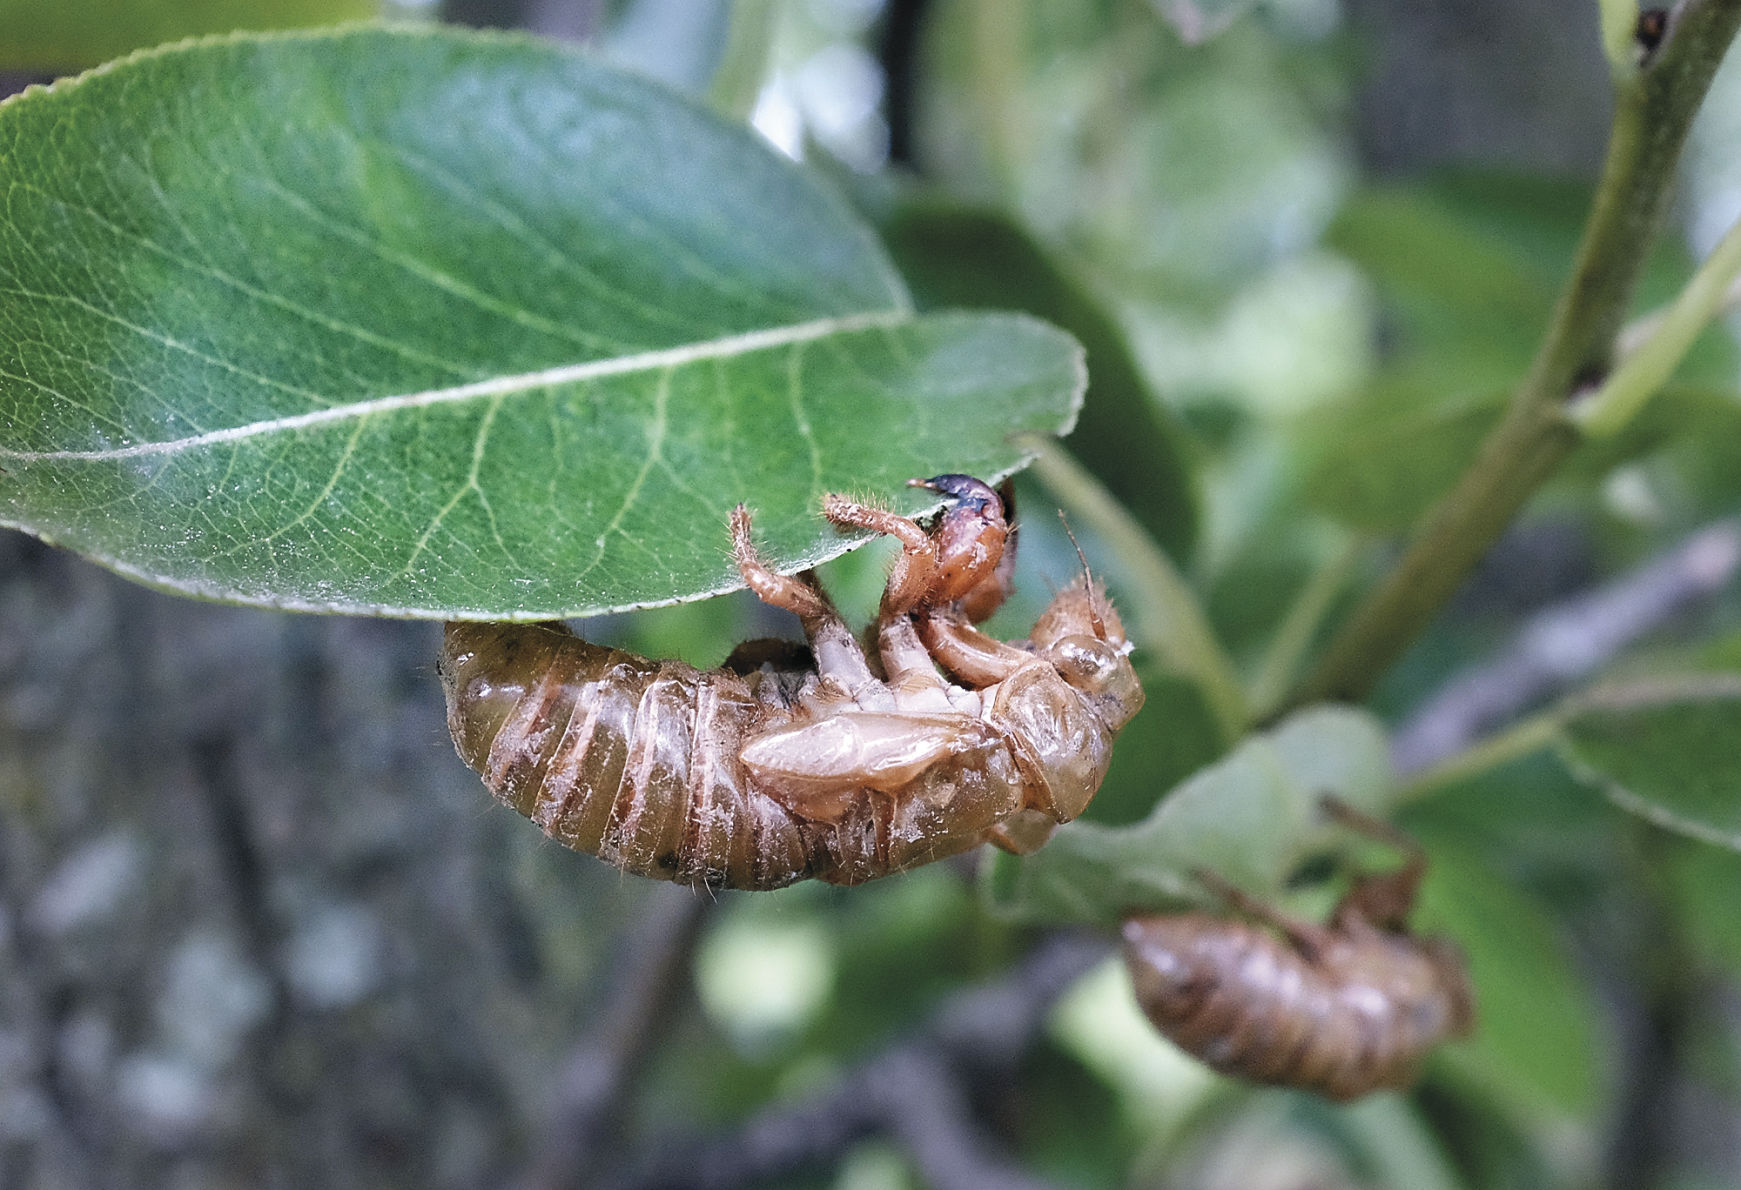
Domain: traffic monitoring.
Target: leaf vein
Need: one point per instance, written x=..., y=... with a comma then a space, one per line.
x=479, y=442
x=655, y=453
x=728, y=346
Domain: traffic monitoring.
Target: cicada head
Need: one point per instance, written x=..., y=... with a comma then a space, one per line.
x=1083, y=638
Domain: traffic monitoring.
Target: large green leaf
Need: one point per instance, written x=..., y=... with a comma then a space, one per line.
x=444, y=324
x=68, y=34
x=1665, y=749
x=1250, y=818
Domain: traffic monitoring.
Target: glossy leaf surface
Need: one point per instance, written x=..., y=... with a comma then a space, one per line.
x=959, y=256
x=431, y=323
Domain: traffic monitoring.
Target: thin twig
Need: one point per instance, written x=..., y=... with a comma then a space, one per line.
x=1560, y=647
x=913, y=1091
x=594, y=1087
x=1300, y=627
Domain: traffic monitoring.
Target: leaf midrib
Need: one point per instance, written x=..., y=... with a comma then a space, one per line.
x=497, y=386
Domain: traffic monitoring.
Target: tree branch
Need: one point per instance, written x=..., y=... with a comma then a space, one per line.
x=1559, y=647
x=913, y=1091
x=1656, y=105
x=592, y=1093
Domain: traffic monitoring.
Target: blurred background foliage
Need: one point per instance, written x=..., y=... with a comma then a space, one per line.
x=1311, y=245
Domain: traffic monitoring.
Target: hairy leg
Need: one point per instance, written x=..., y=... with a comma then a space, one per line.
x=915, y=569
x=1382, y=899
x=839, y=659
x=779, y=590
x=1310, y=938
x=974, y=658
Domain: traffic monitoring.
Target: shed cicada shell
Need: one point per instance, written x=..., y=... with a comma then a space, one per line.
x=1341, y=1008
x=837, y=762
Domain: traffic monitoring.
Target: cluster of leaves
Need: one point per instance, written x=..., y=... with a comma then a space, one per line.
x=410, y=321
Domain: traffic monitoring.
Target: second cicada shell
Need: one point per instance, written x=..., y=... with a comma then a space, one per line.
x=1343, y=1008
x=785, y=763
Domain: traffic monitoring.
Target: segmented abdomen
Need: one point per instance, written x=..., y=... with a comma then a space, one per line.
x=632, y=760
x=637, y=762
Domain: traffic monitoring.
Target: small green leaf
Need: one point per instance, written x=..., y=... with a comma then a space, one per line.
x=1665, y=749
x=1388, y=453
x=70, y=34
x=954, y=256
x=431, y=323
x=1251, y=817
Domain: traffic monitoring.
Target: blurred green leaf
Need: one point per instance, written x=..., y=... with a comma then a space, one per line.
x=1396, y=1145
x=1068, y=1121
x=1390, y=452
x=956, y=256
x=1467, y=281
x=1664, y=749
x=1250, y=818
x=1535, y=1014
x=71, y=34
x=429, y=323
x=1705, y=883
x=900, y=950
x=1173, y=736
x=1468, y=266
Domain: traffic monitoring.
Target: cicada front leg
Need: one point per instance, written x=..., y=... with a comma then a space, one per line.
x=840, y=662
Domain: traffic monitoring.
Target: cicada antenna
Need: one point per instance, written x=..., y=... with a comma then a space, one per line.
x=1087, y=580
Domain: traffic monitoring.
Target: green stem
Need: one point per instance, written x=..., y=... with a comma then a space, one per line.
x=1654, y=109
x=743, y=66
x=999, y=32
x=1281, y=661
x=1647, y=368
x=1514, y=743
x=1167, y=618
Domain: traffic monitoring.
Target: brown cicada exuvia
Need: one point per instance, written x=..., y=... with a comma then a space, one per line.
x=833, y=762
x=1342, y=1008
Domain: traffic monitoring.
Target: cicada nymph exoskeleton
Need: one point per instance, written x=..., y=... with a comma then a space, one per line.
x=1343, y=1008
x=834, y=762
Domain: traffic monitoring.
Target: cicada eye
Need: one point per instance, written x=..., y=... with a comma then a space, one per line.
x=1088, y=664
